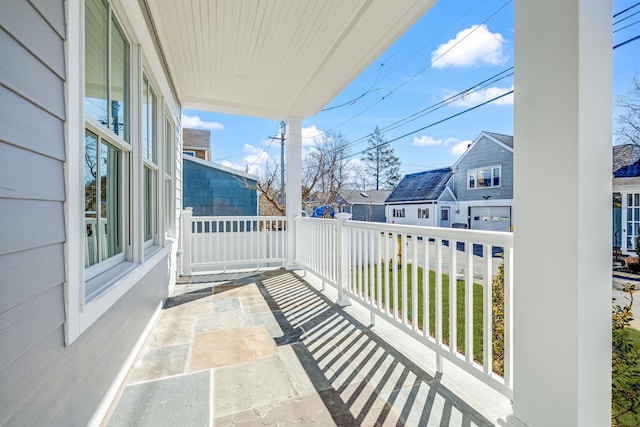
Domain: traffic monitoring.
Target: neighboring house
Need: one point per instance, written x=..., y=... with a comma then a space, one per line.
x=212, y=189
x=423, y=198
x=476, y=192
x=483, y=183
x=197, y=143
x=626, y=196
x=365, y=205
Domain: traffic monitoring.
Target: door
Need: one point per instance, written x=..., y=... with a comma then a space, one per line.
x=444, y=217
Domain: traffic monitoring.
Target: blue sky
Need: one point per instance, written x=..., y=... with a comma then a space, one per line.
x=456, y=45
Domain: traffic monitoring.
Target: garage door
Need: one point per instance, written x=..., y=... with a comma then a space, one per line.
x=494, y=218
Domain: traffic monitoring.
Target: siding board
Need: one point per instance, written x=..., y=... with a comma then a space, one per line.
x=26, y=274
x=27, y=323
x=17, y=126
x=53, y=13
x=30, y=224
x=24, y=23
x=25, y=75
x=18, y=180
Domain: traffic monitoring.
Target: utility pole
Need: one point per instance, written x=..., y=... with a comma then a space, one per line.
x=283, y=127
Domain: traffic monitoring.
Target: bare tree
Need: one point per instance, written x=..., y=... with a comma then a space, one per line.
x=628, y=123
x=324, y=171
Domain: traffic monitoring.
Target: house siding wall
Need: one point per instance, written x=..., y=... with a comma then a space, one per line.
x=210, y=191
x=373, y=213
x=485, y=153
x=45, y=382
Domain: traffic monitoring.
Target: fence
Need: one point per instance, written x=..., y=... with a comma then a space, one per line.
x=435, y=284
x=223, y=242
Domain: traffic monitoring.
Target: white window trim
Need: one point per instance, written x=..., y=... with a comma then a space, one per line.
x=474, y=172
x=118, y=280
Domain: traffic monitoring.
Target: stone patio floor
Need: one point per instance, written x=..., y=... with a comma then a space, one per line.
x=272, y=349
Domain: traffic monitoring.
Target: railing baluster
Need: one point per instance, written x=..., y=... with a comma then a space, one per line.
x=488, y=326
x=468, y=303
x=453, y=306
x=438, y=302
x=426, y=282
x=387, y=274
x=415, y=322
x=405, y=281
x=378, y=263
x=508, y=317
x=396, y=252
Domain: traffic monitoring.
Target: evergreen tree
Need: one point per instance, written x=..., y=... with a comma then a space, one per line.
x=381, y=163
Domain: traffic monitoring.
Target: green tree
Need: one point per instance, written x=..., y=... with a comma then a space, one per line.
x=380, y=162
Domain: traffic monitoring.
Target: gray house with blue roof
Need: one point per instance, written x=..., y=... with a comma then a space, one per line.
x=476, y=192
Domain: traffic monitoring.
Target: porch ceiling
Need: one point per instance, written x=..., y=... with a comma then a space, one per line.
x=274, y=58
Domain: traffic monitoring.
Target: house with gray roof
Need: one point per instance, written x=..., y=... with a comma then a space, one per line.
x=476, y=192
x=196, y=143
x=422, y=198
x=626, y=197
x=365, y=205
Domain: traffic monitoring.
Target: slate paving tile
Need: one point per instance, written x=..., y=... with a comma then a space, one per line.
x=177, y=401
x=230, y=346
x=249, y=385
x=156, y=363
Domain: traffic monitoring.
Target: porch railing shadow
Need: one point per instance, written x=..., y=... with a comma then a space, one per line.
x=361, y=379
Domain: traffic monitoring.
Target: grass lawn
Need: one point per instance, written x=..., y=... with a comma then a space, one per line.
x=460, y=301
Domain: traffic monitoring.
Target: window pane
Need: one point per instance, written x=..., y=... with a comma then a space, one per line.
x=168, y=147
x=152, y=122
x=96, y=23
x=149, y=107
x=145, y=113
x=110, y=190
x=119, y=82
x=472, y=180
x=629, y=200
x=148, y=204
x=636, y=200
x=90, y=199
x=496, y=176
x=484, y=178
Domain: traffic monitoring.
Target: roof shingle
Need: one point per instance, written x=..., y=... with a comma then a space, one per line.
x=421, y=186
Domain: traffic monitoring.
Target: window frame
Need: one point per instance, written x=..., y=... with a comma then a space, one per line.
x=473, y=177
x=153, y=162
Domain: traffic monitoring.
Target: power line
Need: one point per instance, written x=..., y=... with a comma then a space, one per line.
x=626, y=26
x=625, y=10
x=625, y=18
x=626, y=41
x=432, y=124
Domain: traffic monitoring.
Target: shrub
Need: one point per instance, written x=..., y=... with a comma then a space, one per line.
x=625, y=367
x=497, y=315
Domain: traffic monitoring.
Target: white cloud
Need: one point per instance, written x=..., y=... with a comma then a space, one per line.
x=311, y=135
x=196, y=123
x=471, y=47
x=425, y=140
x=478, y=97
x=460, y=147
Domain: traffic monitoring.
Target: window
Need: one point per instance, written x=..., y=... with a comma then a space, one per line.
x=398, y=213
x=484, y=177
x=423, y=213
x=102, y=199
x=149, y=152
x=169, y=159
x=106, y=148
x=106, y=69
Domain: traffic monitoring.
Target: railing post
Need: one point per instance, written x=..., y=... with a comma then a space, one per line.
x=186, y=241
x=343, y=260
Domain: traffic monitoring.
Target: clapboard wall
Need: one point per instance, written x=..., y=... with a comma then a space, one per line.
x=43, y=381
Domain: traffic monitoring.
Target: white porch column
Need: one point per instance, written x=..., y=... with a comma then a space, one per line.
x=293, y=186
x=562, y=212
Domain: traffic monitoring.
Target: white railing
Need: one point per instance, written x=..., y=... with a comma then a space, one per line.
x=426, y=280
x=223, y=242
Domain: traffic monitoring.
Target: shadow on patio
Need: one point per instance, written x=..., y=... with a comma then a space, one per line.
x=272, y=349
